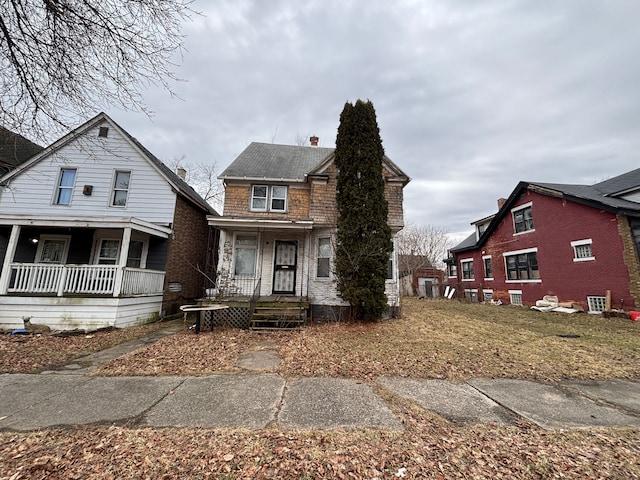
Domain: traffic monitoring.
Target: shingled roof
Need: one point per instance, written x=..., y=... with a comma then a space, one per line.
x=15, y=149
x=268, y=161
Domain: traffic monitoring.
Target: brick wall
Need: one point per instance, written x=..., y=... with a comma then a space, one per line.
x=630, y=255
x=187, y=247
x=557, y=223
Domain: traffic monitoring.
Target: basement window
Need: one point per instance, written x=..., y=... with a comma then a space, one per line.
x=515, y=297
x=596, y=304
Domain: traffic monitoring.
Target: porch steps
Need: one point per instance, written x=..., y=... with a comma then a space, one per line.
x=285, y=316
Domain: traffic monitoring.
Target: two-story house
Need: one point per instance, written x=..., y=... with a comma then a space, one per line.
x=279, y=223
x=580, y=243
x=95, y=231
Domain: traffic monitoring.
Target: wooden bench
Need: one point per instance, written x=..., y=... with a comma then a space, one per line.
x=199, y=309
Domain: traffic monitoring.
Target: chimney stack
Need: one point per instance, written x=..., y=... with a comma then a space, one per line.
x=182, y=173
x=314, y=141
x=501, y=202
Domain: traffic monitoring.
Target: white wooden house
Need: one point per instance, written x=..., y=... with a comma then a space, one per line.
x=95, y=231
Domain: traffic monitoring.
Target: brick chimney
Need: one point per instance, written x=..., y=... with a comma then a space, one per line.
x=501, y=202
x=314, y=141
x=182, y=173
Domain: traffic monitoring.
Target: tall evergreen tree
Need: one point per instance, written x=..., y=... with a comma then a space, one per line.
x=364, y=237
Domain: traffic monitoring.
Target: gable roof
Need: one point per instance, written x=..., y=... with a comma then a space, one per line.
x=291, y=163
x=15, y=149
x=179, y=185
x=598, y=196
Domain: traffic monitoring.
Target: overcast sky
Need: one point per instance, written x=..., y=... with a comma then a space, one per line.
x=471, y=97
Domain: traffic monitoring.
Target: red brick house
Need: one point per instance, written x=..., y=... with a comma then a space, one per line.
x=95, y=231
x=580, y=243
x=278, y=227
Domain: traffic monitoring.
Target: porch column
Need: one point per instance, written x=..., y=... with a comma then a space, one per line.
x=8, y=259
x=122, y=261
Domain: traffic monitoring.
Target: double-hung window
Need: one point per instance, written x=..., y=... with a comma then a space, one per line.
x=65, y=186
x=522, y=266
x=246, y=253
x=467, y=269
x=120, y=188
x=324, y=257
x=488, y=268
x=522, y=219
x=53, y=249
x=108, y=251
x=269, y=198
x=582, y=250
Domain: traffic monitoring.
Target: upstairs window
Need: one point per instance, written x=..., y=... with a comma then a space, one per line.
x=120, y=188
x=65, y=186
x=324, y=257
x=269, y=198
x=522, y=219
x=467, y=269
x=582, y=251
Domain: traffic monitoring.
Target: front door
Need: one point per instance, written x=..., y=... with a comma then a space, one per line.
x=284, y=267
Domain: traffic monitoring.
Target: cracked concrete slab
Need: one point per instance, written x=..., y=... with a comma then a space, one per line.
x=220, y=401
x=623, y=393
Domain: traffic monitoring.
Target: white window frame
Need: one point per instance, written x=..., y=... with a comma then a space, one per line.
x=114, y=190
x=329, y=258
x=462, y=262
x=98, y=248
x=597, y=304
x=580, y=243
x=391, y=264
x=144, y=253
x=60, y=187
x=487, y=292
x=65, y=248
x=515, y=253
x=269, y=198
x=515, y=210
x=237, y=247
x=484, y=266
x=515, y=295
x=471, y=294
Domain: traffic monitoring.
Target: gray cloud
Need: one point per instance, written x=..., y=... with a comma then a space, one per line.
x=471, y=97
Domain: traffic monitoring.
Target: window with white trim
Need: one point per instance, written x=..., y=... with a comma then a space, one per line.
x=389, y=275
x=467, y=269
x=269, y=198
x=487, y=295
x=246, y=254
x=65, y=186
x=453, y=270
x=596, y=304
x=488, y=268
x=471, y=294
x=108, y=251
x=323, y=257
x=515, y=297
x=522, y=219
x=135, y=255
x=522, y=266
x=582, y=250
x=53, y=249
x=120, y=188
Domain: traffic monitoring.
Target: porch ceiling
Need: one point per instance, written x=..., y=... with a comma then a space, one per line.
x=222, y=222
x=86, y=222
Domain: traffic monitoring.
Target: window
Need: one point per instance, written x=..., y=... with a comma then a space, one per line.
x=582, y=251
x=389, y=275
x=596, y=304
x=488, y=295
x=53, y=249
x=522, y=219
x=65, y=186
x=453, y=270
x=246, y=252
x=134, y=259
x=275, y=197
x=467, y=269
x=515, y=297
x=108, y=251
x=522, y=266
x=120, y=188
x=324, y=257
x=471, y=295
x=488, y=270
x=103, y=132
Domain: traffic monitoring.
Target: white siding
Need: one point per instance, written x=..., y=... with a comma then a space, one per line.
x=83, y=313
x=96, y=159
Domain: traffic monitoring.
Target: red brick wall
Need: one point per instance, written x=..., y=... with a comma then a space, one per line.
x=557, y=223
x=187, y=247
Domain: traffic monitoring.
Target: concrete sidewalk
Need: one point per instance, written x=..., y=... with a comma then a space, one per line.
x=253, y=401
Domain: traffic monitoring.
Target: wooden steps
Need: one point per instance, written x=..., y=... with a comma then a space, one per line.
x=278, y=316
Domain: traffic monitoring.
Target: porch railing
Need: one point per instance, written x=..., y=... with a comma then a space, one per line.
x=238, y=286
x=40, y=278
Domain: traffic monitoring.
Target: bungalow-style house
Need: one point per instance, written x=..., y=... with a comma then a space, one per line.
x=279, y=223
x=580, y=243
x=95, y=231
